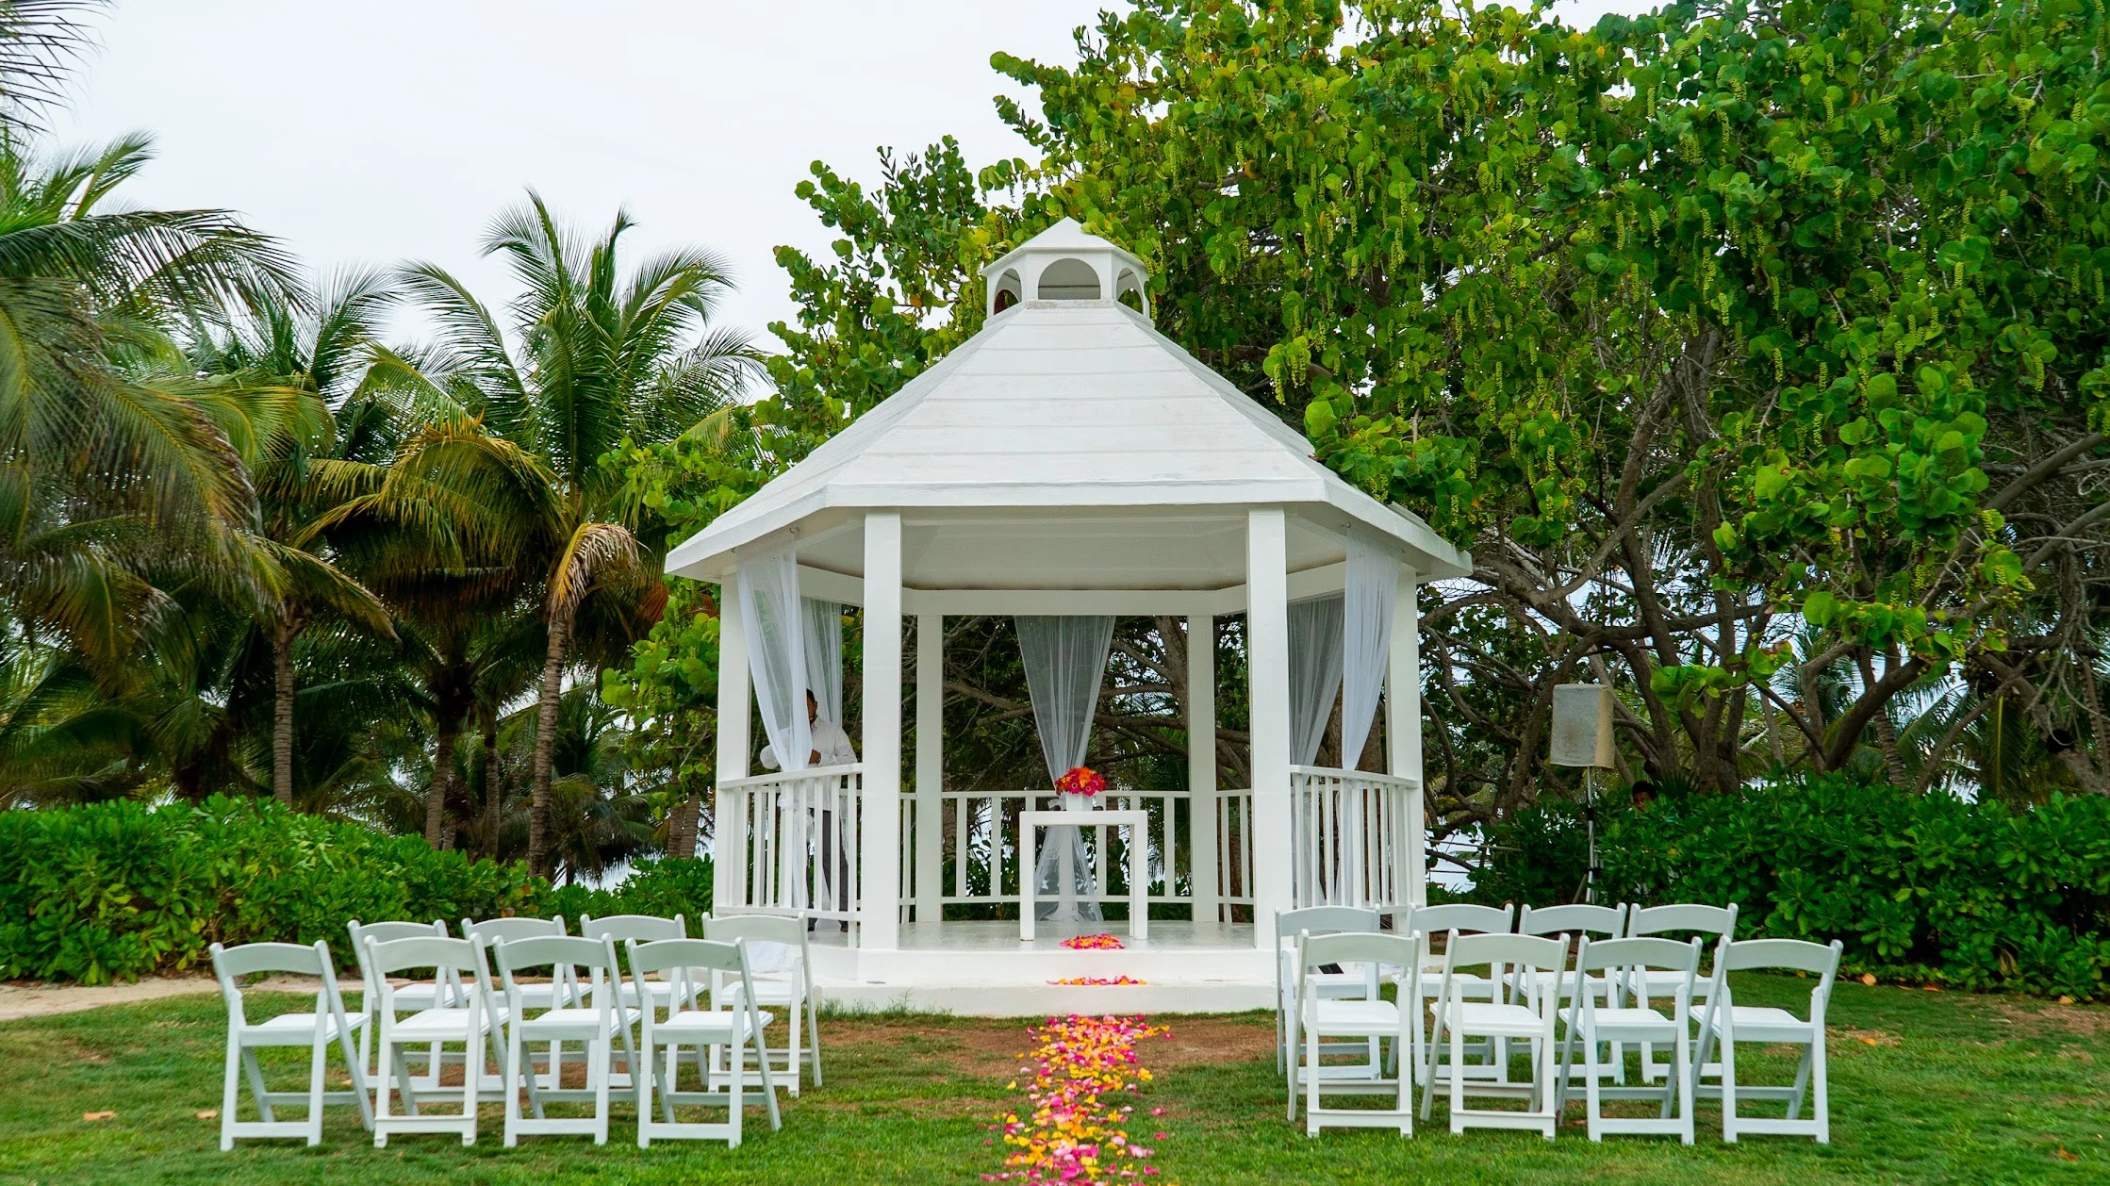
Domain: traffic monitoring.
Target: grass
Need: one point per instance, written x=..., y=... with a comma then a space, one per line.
x=1927, y=1087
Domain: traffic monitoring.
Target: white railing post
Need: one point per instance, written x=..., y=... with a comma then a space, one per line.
x=1204, y=881
x=879, y=872
x=930, y=768
x=729, y=810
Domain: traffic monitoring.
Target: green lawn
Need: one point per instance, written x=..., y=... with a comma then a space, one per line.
x=1926, y=1088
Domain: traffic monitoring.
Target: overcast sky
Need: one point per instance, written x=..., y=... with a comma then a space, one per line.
x=388, y=130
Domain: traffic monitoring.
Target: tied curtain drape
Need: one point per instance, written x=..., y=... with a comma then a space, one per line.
x=776, y=632
x=1065, y=661
x=1339, y=646
x=796, y=647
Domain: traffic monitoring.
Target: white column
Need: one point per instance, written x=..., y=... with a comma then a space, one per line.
x=1201, y=765
x=1403, y=735
x=735, y=698
x=879, y=881
x=1267, y=665
x=930, y=768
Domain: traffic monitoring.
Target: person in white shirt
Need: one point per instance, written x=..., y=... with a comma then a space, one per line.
x=831, y=747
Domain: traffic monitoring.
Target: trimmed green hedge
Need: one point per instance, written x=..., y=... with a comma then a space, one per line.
x=1924, y=888
x=117, y=890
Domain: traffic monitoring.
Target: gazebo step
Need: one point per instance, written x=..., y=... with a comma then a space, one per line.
x=1045, y=1000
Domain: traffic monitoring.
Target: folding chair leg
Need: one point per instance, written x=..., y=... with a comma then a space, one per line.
x=318, y=1063
x=599, y=1053
x=736, y=1102
x=228, y=1096
x=256, y=1085
x=1802, y=1082
x=1683, y=1071
x=1728, y=1089
x=1311, y=1081
x=1820, y=1100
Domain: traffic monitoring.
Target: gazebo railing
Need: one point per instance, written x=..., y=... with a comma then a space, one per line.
x=981, y=852
x=796, y=836
x=1350, y=831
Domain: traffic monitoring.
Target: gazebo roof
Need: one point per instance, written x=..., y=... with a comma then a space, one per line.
x=1062, y=406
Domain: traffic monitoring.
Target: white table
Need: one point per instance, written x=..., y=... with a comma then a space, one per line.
x=1138, y=824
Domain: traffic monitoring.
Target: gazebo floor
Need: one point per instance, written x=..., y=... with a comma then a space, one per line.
x=982, y=969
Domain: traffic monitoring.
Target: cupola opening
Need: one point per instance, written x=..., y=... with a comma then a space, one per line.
x=1069, y=280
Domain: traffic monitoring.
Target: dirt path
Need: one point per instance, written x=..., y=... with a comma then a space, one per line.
x=26, y=999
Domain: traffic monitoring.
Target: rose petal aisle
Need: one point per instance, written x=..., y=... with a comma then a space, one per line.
x=1084, y=1069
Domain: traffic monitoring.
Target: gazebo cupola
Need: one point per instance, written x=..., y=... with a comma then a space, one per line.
x=1067, y=263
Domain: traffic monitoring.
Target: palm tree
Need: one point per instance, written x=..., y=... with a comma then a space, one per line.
x=309, y=368
x=107, y=464
x=601, y=358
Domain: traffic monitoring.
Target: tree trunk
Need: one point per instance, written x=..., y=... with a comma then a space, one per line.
x=494, y=780
x=681, y=829
x=282, y=711
x=450, y=732
x=545, y=749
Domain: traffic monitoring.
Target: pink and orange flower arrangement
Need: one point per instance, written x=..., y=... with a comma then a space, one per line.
x=1098, y=981
x=1100, y=942
x=1081, y=780
x=1075, y=1127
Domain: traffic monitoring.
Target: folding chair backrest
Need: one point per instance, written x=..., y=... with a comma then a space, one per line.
x=1515, y=951
x=1355, y=947
x=249, y=959
x=1462, y=917
x=425, y=951
x=710, y=955
x=1326, y=920
x=1787, y=955
x=1572, y=919
x=553, y=951
x=760, y=928
x=385, y=932
x=506, y=930
x=1663, y=955
x=1684, y=918
x=645, y=928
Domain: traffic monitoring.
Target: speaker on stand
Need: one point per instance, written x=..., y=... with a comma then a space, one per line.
x=1582, y=737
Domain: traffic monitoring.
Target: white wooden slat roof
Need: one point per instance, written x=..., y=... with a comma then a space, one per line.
x=1062, y=404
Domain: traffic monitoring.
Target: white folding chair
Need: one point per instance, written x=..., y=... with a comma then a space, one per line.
x=1339, y=985
x=1681, y=921
x=317, y=1030
x=1526, y=1011
x=1622, y=1020
x=1371, y=1019
x=1572, y=921
x=468, y=1022
x=411, y=996
x=643, y=928
x=597, y=1026
x=774, y=940
x=1575, y=920
x=494, y=931
x=1724, y=1022
x=1465, y=919
x=739, y=1030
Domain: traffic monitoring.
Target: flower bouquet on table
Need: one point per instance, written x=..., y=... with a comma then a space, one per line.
x=1078, y=786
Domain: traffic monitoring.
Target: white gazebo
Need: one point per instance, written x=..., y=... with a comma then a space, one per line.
x=1066, y=461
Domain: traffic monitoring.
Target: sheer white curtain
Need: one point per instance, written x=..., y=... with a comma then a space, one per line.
x=1065, y=661
x=770, y=607
x=1366, y=643
x=823, y=645
x=1314, y=672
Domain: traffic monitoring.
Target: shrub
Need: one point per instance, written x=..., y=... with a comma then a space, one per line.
x=117, y=890
x=1918, y=887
